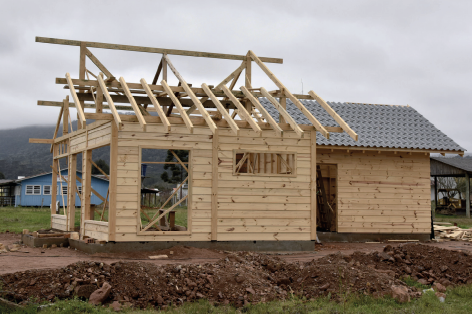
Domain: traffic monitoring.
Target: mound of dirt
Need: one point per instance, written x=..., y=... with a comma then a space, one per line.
x=244, y=277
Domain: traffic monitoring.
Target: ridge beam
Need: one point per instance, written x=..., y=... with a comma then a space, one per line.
x=285, y=91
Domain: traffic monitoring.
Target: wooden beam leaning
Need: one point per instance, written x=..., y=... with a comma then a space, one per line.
x=177, y=104
x=156, y=105
x=133, y=103
x=111, y=105
x=335, y=116
x=196, y=101
x=230, y=77
x=80, y=111
x=99, y=65
x=150, y=49
x=263, y=111
x=221, y=109
x=296, y=102
x=57, y=125
x=241, y=110
x=293, y=124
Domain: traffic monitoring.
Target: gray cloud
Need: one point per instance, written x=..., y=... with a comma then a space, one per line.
x=402, y=52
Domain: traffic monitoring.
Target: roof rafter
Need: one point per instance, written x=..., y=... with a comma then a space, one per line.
x=242, y=112
x=177, y=104
x=133, y=103
x=285, y=91
x=111, y=105
x=221, y=109
x=156, y=105
x=73, y=93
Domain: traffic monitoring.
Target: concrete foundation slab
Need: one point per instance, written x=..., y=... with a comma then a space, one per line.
x=261, y=246
x=368, y=237
x=31, y=241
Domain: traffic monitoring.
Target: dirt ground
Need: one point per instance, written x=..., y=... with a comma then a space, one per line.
x=38, y=258
x=236, y=278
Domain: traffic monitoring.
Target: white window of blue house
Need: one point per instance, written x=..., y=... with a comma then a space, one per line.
x=80, y=189
x=64, y=190
x=46, y=190
x=33, y=190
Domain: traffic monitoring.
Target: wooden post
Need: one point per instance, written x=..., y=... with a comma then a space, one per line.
x=113, y=182
x=248, y=80
x=55, y=163
x=65, y=116
x=83, y=50
x=71, y=188
x=435, y=197
x=313, y=185
x=283, y=103
x=467, y=195
x=86, y=190
x=214, y=187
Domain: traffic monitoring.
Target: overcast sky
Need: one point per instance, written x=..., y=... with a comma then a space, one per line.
x=397, y=52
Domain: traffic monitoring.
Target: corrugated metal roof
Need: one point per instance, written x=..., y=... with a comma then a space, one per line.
x=461, y=163
x=377, y=125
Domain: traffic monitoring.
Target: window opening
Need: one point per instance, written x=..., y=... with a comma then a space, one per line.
x=256, y=163
x=33, y=190
x=46, y=190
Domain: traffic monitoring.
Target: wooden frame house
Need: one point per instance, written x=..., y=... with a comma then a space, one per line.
x=257, y=169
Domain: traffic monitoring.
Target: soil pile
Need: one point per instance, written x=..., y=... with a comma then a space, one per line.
x=243, y=277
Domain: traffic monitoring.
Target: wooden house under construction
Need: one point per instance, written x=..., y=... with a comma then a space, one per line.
x=262, y=166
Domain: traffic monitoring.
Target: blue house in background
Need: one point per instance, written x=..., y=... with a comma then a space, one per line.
x=36, y=190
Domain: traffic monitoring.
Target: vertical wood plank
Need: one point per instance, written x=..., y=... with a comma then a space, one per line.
x=113, y=182
x=467, y=195
x=283, y=103
x=65, y=116
x=55, y=162
x=214, y=187
x=71, y=191
x=248, y=80
x=83, y=49
x=86, y=190
x=313, y=185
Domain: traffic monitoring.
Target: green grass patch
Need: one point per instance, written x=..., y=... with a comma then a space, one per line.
x=15, y=219
x=458, y=301
x=180, y=215
x=461, y=221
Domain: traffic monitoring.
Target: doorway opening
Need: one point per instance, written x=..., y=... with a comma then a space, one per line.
x=326, y=196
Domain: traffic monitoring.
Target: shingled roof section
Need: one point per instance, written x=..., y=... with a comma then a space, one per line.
x=461, y=163
x=377, y=125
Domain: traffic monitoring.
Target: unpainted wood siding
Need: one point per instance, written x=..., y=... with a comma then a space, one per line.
x=381, y=192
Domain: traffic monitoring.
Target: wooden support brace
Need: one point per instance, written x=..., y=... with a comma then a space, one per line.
x=109, y=101
x=133, y=103
x=99, y=65
x=100, y=169
x=335, y=116
x=296, y=102
x=165, y=212
x=230, y=77
x=80, y=111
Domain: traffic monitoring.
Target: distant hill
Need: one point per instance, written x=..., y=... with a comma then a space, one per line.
x=20, y=158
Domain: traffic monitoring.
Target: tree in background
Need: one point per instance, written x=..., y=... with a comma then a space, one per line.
x=2, y=176
x=175, y=173
x=103, y=165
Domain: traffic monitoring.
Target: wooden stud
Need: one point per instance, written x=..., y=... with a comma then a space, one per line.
x=80, y=110
x=71, y=188
x=55, y=163
x=86, y=190
x=113, y=183
x=221, y=109
x=156, y=105
x=214, y=188
x=111, y=105
x=177, y=104
x=335, y=116
x=65, y=116
x=262, y=110
x=283, y=112
x=295, y=101
x=241, y=110
x=133, y=103
x=313, y=200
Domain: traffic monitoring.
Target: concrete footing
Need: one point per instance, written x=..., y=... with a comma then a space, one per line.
x=31, y=241
x=368, y=237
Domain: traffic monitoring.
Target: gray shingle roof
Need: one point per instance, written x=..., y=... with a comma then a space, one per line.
x=461, y=163
x=376, y=125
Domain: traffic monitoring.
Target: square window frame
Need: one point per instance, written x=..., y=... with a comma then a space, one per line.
x=242, y=151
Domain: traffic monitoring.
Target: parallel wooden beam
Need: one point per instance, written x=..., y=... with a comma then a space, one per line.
x=133, y=103
x=335, y=116
x=156, y=105
x=262, y=110
x=297, y=103
x=214, y=187
x=80, y=111
x=194, y=98
x=241, y=110
x=221, y=109
x=99, y=65
x=177, y=104
x=109, y=101
x=150, y=49
x=283, y=112
x=313, y=200
x=41, y=140
x=230, y=77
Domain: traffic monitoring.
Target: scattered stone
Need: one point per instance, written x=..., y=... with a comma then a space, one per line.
x=116, y=306
x=250, y=290
x=400, y=293
x=423, y=282
x=439, y=287
x=53, y=246
x=100, y=295
x=85, y=291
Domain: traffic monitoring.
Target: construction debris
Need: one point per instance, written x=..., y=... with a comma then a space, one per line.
x=451, y=233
